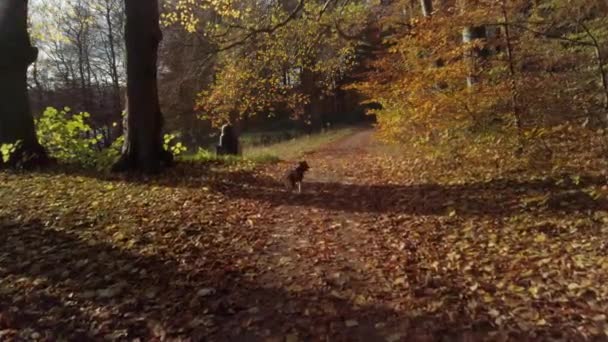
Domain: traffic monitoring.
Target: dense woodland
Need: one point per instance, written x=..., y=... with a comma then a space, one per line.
x=458, y=188
x=464, y=74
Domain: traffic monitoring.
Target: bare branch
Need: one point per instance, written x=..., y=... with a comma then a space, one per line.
x=252, y=32
x=544, y=34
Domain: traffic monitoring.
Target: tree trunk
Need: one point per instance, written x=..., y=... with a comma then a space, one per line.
x=599, y=59
x=514, y=88
x=113, y=62
x=313, y=111
x=470, y=34
x=427, y=7
x=81, y=72
x=39, y=87
x=143, y=148
x=16, y=120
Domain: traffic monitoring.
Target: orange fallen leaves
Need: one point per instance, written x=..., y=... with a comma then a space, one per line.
x=236, y=255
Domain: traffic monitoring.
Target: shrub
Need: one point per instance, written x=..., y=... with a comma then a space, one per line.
x=172, y=145
x=108, y=156
x=68, y=138
x=7, y=150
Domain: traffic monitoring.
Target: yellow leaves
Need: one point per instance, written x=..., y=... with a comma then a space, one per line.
x=573, y=286
x=601, y=318
x=187, y=13
x=540, y=238
x=603, y=263
x=269, y=74
x=533, y=291
x=474, y=287
x=400, y=281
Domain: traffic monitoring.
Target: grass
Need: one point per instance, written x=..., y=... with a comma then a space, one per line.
x=273, y=153
x=269, y=137
x=294, y=148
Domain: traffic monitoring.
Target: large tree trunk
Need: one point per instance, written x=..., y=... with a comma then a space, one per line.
x=143, y=149
x=16, y=120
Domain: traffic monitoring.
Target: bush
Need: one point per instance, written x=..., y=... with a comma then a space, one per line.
x=172, y=145
x=7, y=150
x=207, y=156
x=108, y=156
x=68, y=137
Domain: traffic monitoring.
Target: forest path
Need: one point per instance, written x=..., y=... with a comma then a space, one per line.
x=326, y=241
x=371, y=250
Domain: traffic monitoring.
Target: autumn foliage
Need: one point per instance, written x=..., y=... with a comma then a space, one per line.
x=536, y=72
x=271, y=59
x=475, y=209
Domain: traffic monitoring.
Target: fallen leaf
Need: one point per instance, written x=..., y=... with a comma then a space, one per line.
x=205, y=292
x=351, y=323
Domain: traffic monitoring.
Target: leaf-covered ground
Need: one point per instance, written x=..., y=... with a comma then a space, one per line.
x=368, y=252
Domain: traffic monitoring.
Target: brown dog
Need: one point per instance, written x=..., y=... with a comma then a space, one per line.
x=296, y=176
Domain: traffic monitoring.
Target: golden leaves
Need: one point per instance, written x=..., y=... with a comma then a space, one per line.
x=372, y=229
x=261, y=69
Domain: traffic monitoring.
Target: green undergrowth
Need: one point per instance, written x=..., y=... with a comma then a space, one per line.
x=270, y=154
x=295, y=148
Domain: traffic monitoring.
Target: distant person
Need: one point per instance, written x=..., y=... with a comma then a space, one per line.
x=229, y=142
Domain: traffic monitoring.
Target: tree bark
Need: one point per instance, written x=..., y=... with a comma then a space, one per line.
x=312, y=111
x=39, y=87
x=470, y=34
x=143, y=148
x=599, y=58
x=113, y=63
x=427, y=7
x=16, y=120
x=514, y=88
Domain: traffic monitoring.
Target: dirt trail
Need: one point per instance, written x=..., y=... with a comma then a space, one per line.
x=359, y=140
x=365, y=253
x=334, y=161
x=370, y=251
x=322, y=244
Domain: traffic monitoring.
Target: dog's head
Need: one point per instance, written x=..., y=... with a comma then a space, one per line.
x=303, y=165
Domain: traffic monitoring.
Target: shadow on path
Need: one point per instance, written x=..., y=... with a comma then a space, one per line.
x=494, y=198
x=58, y=286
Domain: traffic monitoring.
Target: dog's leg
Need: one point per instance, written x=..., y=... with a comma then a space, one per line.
x=299, y=187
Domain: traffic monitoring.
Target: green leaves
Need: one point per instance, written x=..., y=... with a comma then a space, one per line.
x=6, y=150
x=171, y=144
x=70, y=139
x=67, y=137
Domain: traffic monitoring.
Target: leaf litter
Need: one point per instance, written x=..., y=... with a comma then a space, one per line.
x=229, y=254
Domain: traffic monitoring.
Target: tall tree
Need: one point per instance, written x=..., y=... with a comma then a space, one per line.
x=111, y=51
x=275, y=58
x=427, y=7
x=16, y=120
x=143, y=147
x=81, y=60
